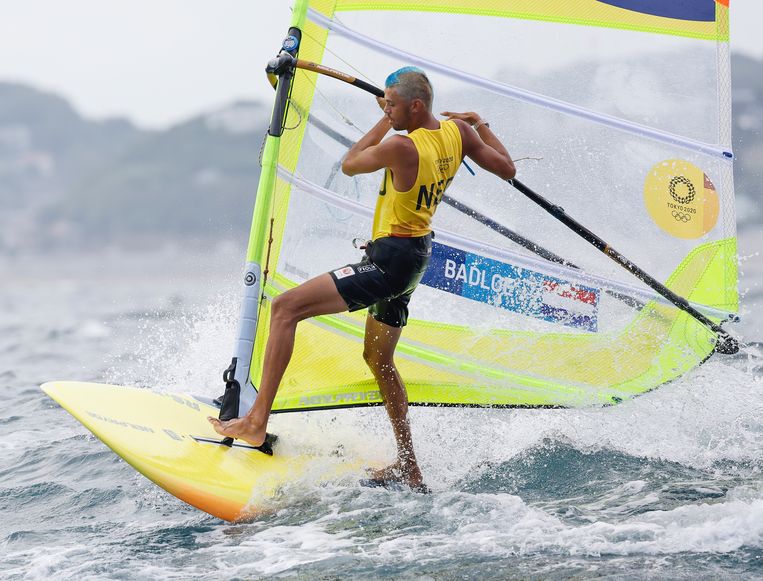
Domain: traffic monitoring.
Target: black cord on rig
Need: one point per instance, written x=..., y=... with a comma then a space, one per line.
x=266, y=270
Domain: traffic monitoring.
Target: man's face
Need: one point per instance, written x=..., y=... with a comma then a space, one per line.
x=397, y=109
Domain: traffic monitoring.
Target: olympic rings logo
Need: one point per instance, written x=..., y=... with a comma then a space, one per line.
x=680, y=216
x=690, y=195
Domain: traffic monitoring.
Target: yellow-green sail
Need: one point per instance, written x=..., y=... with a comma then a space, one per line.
x=623, y=108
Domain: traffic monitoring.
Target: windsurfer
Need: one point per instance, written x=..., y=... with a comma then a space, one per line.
x=418, y=167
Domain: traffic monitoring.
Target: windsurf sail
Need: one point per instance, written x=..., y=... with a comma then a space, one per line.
x=622, y=111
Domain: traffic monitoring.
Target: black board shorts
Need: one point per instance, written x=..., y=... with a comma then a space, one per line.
x=385, y=278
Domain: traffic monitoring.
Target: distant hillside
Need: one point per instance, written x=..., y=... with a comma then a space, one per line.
x=68, y=181
x=197, y=179
x=45, y=144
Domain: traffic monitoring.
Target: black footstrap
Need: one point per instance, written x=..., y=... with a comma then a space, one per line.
x=229, y=401
x=266, y=448
x=267, y=445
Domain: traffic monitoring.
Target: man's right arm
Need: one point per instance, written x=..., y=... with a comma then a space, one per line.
x=369, y=153
x=482, y=145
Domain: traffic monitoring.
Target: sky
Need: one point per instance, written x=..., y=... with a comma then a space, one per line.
x=158, y=62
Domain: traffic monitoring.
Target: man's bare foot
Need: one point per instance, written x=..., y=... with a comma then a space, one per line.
x=391, y=472
x=240, y=429
x=408, y=474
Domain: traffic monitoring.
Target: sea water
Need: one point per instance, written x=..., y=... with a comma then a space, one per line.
x=667, y=486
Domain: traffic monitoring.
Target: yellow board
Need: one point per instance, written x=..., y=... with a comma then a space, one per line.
x=161, y=436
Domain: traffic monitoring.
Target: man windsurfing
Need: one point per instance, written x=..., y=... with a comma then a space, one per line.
x=418, y=167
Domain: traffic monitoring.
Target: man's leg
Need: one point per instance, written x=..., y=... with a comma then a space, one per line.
x=317, y=296
x=379, y=348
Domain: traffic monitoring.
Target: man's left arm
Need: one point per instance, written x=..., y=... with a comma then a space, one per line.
x=482, y=146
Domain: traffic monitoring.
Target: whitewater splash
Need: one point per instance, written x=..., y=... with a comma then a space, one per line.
x=672, y=473
x=668, y=483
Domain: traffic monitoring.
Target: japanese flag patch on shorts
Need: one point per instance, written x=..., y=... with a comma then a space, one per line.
x=344, y=272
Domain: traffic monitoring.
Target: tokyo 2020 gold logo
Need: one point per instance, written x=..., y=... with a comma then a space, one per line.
x=681, y=199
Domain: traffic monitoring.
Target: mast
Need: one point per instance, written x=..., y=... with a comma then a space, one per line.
x=240, y=393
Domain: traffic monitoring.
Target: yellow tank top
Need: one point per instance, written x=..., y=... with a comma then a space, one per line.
x=410, y=213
